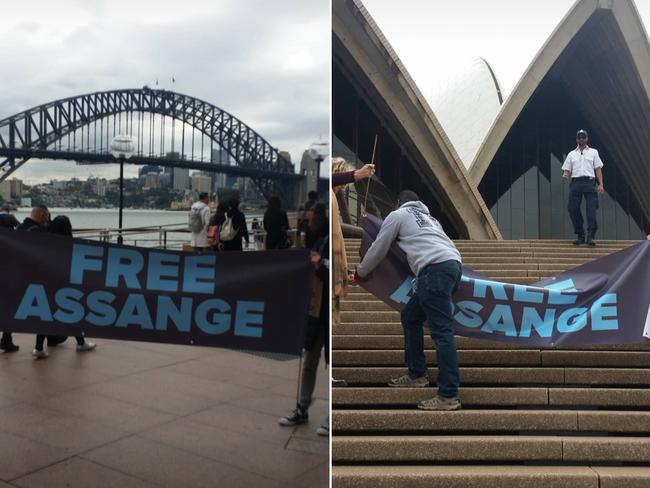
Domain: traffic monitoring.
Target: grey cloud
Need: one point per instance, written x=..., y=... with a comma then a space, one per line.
x=235, y=59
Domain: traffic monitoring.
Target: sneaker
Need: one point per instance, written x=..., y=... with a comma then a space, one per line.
x=407, y=382
x=323, y=430
x=296, y=417
x=11, y=347
x=86, y=346
x=579, y=241
x=338, y=383
x=440, y=403
x=39, y=354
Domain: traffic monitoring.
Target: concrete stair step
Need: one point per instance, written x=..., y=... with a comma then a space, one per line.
x=507, y=376
x=395, y=340
x=485, y=420
x=524, y=357
x=498, y=357
x=500, y=476
x=470, y=396
x=498, y=396
x=467, y=448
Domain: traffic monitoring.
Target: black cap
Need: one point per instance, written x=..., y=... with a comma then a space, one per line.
x=581, y=132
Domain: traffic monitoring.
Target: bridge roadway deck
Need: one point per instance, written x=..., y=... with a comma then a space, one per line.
x=134, y=414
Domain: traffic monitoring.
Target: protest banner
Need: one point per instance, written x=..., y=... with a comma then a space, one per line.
x=243, y=300
x=605, y=301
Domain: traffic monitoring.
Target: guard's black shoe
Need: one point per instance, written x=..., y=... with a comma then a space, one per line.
x=590, y=240
x=9, y=347
x=580, y=240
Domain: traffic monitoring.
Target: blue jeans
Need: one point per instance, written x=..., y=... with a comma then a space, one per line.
x=432, y=302
x=578, y=188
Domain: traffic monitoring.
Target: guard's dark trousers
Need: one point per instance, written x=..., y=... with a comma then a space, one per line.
x=579, y=187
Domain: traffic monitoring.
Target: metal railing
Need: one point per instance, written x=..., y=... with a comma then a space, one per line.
x=170, y=236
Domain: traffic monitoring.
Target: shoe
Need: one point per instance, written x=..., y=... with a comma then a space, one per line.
x=11, y=347
x=298, y=416
x=40, y=354
x=338, y=383
x=590, y=240
x=580, y=240
x=86, y=346
x=440, y=403
x=407, y=382
x=323, y=430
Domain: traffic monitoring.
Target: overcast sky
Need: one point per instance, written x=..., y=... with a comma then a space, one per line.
x=265, y=62
x=435, y=39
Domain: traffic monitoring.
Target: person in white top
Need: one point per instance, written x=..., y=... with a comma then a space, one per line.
x=584, y=167
x=200, y=212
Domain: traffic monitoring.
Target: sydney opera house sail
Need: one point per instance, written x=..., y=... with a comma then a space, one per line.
x=594, y=74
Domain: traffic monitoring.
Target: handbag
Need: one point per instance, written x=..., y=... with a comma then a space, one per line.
x=213, y=235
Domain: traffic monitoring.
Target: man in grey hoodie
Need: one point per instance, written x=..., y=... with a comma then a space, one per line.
x=436, y=262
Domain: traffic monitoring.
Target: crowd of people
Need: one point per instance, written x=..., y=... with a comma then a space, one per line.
x=39, y=220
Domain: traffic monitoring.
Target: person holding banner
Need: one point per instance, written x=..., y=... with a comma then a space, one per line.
x=7, y=221
x=436, y=262
x=316, y=338
x=342, y=175
x=62, y=226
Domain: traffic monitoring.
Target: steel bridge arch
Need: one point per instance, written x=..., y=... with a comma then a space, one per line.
x=28, y=134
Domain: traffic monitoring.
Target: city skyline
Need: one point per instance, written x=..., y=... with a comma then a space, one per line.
x=270, y=75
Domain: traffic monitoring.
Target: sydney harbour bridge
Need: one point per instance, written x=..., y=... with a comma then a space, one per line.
x=168, y=129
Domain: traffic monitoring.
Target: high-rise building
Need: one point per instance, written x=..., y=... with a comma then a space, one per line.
x=151, y=181
x=220, y=156
x=16, y=187
x=201, y=183
x=5, y=191
x=180, y=179
x=99, y=187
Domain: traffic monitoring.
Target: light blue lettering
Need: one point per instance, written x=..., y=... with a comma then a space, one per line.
x=500, y=320
x=560, y=293
x=125, y=263
x=249, y=314
x=220, y=322
x=81, y=261
x=498, y=289
x=402, y=294
x=167, y=311
x=531, y=320
x=34, y=304
x=70, y=310
x=572, y=320
x=526, y=294
x=198, y=275
x=604, y=317
x=101, y=312
x=162, y=265
x=467, y=315
x=135, y=312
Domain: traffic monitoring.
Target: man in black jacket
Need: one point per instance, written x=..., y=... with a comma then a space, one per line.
x=37, y=221
x=7, y=221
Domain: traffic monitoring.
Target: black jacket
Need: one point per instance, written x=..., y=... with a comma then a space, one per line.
x=29, y=224
x=8, y=221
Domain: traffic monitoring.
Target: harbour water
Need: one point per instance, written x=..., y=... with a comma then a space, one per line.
x=88, y=222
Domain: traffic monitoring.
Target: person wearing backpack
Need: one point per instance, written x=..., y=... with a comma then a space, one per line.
x=198, y=222
x=233, y=228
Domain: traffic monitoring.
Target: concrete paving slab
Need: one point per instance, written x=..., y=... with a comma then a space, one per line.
x=172, y=467
x=80, y=473
x=19, y=456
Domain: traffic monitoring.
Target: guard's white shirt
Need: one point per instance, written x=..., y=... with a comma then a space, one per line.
x=582, y=163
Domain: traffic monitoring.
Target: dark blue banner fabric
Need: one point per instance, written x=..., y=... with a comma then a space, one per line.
x=606, y=301
x=242, y=300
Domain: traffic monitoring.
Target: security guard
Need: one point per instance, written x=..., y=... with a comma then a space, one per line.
x=584, y=167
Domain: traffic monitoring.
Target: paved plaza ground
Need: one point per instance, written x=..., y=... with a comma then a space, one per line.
x=135, y=414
